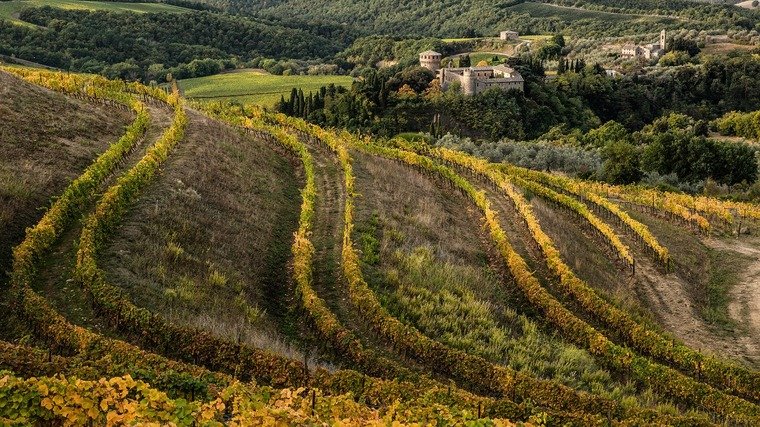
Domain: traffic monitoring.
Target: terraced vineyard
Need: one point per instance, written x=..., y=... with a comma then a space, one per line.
x=224, y=265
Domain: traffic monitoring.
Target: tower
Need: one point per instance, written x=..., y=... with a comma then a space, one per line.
x=662, y=39
x=430, y=60
x=469, y=82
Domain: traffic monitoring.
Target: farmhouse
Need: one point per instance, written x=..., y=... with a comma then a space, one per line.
x=649, y=51
x=509, y=35
x=475, y=80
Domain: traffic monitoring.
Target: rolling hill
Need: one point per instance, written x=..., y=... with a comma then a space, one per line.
x=47, y=139
x=453, y=19
x=215, y=264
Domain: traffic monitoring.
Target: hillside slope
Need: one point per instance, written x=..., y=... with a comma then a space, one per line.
x=207, y=244
x=46, y=140
x=478, y=17
x=232, y=245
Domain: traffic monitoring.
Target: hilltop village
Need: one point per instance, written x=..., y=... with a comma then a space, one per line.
x=476, y=79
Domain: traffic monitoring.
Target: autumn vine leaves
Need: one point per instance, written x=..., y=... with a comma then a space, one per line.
x=634, y=350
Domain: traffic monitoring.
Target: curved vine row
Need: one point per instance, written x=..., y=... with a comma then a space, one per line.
x=731, y=378
x=584, y=212
x=664, y=379
x=471, y=369
x=48, y=324
x=185, y=343
x=658, y=202
x=100, y=353
x=576, y=188
x=93, y=87
x=326, y=322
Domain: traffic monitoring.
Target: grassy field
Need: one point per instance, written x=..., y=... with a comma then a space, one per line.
x=569, y=14
x=10, y=9
x=476, y=57
x=253, y=86
x=464, y=39
x=536, y=38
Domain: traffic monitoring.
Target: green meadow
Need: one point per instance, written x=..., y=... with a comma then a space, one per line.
x=570, y=14
x=254, y=86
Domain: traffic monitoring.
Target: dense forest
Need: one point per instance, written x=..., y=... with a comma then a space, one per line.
x=398, y=99
x=570, y=110
x=453, y=18
x=148, y=46
x=745, y=125
x=672, y=153
x=345, y=34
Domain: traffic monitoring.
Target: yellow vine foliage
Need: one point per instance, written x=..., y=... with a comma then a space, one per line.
x=501, y=379
x=663, y=378
x=125, y=401
x=578, y=188
x=729, y=377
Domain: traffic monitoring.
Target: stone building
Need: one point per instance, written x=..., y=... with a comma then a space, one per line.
x=474, y=80
x=649, y=51
x=431, y=60
x=509, y=35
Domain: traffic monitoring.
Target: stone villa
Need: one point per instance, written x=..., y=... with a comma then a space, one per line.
x=472, y=80
x=509, y=35
x=649, y=51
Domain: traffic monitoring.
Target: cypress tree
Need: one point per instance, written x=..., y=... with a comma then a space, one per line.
x=301, y=103
x=282, y=106
x=309, y=105
x=292, y=104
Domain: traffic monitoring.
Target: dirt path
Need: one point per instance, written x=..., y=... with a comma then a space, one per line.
x=328, y=227
x=744, y=307
x=474, y=52
x=668, y=297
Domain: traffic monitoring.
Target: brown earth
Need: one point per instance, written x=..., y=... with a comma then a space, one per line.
x=46, y=140
x=208, y=242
